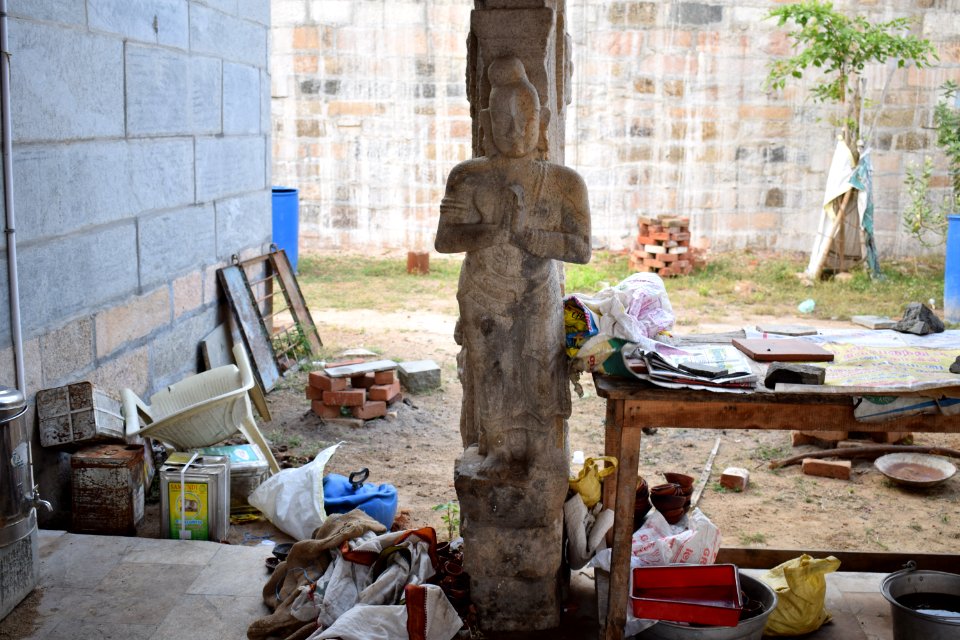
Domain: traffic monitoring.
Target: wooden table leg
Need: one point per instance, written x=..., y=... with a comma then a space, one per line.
x=627, y=439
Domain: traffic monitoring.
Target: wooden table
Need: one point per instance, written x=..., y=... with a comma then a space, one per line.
x=633, y=405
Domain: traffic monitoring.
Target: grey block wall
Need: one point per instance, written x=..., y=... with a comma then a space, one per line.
x=141, y=165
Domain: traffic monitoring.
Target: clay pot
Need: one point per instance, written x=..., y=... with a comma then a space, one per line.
x=668, y=503
x=685, y=481
x=668, y=489
x=673, y=516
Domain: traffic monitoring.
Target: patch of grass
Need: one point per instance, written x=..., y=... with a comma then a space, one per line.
x=767, y=453
x=754, y=538
x=916, y=527
x=755, y=283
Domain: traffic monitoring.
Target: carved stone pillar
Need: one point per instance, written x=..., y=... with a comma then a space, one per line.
x=512, y=523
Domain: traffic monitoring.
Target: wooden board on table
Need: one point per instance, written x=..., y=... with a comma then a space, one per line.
x=782, y=350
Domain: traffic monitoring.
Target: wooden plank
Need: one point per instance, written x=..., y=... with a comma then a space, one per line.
x=733, y=414
x=298, y=307
x=254, y=332
x=215, y=347
x=865, y=561
x=782, y=350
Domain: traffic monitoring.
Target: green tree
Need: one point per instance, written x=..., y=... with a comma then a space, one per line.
x=840, y=47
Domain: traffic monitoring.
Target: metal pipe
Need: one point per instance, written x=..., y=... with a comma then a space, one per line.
x=12, y=277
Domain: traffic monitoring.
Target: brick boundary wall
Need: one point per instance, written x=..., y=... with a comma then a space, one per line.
x=669, y=117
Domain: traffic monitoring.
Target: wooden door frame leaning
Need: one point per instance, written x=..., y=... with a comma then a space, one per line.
x=250, y=287
x=633, y=405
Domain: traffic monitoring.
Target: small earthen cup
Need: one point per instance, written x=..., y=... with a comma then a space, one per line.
x=668, y=489
x=685, y=481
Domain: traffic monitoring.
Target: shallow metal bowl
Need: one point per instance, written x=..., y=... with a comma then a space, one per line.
x=915, y=469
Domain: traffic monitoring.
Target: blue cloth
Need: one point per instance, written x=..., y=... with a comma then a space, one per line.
x=377, y=501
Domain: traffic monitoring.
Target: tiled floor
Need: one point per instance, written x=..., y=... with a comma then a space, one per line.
x=140, y=588
x=146, y=589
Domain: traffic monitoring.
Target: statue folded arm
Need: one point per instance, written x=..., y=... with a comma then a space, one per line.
x=461, y=227
x=571, y=243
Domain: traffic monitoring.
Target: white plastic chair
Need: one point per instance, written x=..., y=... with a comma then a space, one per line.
x=201, y=410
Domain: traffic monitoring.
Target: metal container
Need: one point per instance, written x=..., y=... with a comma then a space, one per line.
x=248, y=470
x=909, y=624
x=107, y=489
x=78, y=414
x=18, y=517
x=749, y=629
x=195, y=497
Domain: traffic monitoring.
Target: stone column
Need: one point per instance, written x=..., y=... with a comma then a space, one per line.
x=512, y=523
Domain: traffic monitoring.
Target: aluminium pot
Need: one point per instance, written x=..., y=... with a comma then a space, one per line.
x=909, y=624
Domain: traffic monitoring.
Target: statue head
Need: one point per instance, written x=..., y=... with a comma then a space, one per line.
x=514, y=120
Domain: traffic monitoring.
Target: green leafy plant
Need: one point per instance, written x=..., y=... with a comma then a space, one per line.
x=450, y=517
x=840, y=47
x=923, y=217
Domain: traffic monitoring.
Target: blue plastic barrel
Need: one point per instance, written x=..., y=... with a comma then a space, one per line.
x=379, y=501
x=286, y=222
x=951, y=275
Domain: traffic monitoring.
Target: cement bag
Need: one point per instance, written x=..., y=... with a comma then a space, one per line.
x=656, y=543
x=293, y=498
x=801, y=588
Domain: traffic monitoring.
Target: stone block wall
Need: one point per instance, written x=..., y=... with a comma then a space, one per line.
x=669, y=116
x=141, y=147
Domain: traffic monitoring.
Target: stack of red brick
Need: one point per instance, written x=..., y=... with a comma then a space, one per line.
x=663, y=246
x=364, y=396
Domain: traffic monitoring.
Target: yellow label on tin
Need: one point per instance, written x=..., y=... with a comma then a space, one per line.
x=194, y=506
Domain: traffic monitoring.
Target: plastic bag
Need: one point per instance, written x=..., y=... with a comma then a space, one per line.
x=635, y=310
x=293, y=498
x=801, y=588
x=587, y=482
x=655, y=543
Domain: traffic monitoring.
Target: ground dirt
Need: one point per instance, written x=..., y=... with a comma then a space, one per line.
x=415, y=449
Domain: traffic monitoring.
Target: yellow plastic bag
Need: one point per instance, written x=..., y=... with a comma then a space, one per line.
x=801, y=587
x=587, y=482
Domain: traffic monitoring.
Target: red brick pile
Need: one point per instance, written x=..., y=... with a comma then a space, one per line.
x=663, y=246
x=363, y=396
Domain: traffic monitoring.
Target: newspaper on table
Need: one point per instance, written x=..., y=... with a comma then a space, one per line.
x=668, y=369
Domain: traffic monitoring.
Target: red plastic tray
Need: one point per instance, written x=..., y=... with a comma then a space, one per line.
x=700, y=594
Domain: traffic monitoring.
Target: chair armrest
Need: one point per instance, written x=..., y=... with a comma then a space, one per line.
x=133, y=410
x=243, y=364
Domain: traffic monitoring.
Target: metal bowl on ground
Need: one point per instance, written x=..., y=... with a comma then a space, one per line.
x=915, y=596
x=915, y=469
x=746, y=629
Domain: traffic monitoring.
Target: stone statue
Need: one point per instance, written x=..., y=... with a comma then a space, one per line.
x=515, y=215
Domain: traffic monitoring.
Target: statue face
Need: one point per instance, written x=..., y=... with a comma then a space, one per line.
x=515, y=120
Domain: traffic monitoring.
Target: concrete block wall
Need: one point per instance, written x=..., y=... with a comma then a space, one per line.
x=669, y=116
x=369, y=115
x=141, y=165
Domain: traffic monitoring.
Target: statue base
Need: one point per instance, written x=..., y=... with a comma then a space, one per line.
x=512, y=527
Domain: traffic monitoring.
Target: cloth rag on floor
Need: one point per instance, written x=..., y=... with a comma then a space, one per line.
x=425, y=615
x=307, y=561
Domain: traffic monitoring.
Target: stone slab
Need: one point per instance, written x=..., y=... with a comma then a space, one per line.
x=55, y=184
x=228, y=37
x=157, y=21
x=85, y=70
x=241, y=99
x=515, y=604
x=93, y=268
x=229, y=166
x=243, y=221
x=874, y=322
x=174, y=242
x=170, y=93
x=418, y=376
x=788, y=329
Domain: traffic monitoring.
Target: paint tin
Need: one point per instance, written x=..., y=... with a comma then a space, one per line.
x=107, y=489
x=248, y=469
x=195, y=497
